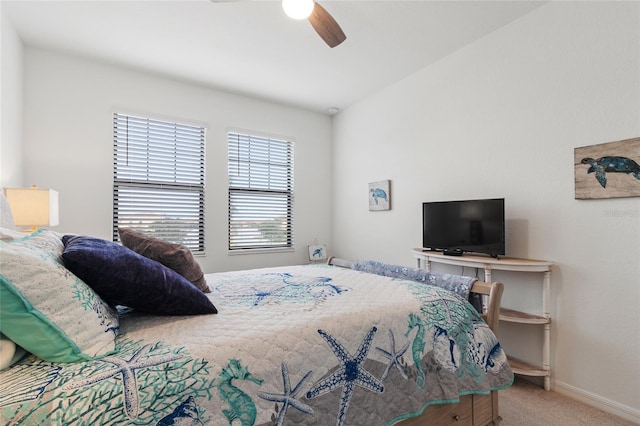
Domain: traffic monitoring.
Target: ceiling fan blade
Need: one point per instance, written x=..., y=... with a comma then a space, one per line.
x=326, y=26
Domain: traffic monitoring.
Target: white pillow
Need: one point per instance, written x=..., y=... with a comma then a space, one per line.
x=9, y=234
x=46, y=309
x=10, y=353
x=6, y=218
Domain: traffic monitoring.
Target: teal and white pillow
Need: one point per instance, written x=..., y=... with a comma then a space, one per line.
x=46, y=309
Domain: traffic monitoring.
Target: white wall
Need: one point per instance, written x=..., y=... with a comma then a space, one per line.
x=501, y=118
x=69, y=140
x=11, y=87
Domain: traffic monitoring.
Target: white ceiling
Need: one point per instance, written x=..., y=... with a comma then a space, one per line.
x=253, y=48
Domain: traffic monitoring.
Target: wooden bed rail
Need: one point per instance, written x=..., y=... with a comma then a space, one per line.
x=336, y=261
x=493, y=291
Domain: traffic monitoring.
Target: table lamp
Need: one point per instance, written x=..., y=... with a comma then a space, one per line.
x=33, y=206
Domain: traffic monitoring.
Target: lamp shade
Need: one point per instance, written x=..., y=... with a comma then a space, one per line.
x=33, y=206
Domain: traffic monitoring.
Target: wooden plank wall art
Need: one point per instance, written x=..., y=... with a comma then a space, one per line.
x=608, y=170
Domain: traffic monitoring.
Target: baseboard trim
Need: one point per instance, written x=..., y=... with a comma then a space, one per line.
x=597, y=401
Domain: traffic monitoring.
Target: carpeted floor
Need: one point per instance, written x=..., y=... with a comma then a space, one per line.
x=525, y=404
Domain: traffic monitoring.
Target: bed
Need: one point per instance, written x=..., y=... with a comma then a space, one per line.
x=345, y=343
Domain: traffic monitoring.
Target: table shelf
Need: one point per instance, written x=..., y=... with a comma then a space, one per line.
x=511, y=315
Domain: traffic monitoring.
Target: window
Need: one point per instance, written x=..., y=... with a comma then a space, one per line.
x=260, y=193
x=158, y=179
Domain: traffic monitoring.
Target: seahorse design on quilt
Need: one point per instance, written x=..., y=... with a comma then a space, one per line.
x=241, y=405
x=417, y=347
x=446, y=351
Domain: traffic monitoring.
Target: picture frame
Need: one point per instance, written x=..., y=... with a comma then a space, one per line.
x=380, y=195
x=607, y=170
x=317, y=252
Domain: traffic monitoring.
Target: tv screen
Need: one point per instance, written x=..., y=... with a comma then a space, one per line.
x=454, y=227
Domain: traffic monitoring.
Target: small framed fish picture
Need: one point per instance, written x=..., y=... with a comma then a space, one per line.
x=317, y=253
x=380, y=195
x=608, y=170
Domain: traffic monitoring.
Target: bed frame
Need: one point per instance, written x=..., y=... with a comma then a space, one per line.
x=472, y=410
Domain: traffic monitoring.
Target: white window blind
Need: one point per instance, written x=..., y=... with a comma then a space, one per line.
x=158, y=179
x=260, y=192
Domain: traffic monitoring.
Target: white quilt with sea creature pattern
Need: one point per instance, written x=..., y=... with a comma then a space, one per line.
x=312, y=345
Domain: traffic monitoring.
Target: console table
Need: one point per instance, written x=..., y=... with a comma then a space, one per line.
x=426, y=257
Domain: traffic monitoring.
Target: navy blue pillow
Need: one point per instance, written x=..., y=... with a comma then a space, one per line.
x=123, y=277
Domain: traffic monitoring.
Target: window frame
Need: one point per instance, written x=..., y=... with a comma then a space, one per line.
x=163, y=175
x=271, y=190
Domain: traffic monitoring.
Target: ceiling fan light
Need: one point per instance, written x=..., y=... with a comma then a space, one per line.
x=298, y=9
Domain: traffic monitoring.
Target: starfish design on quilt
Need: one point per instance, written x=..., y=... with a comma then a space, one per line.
x=349, y=374
x=288, y=396
x=393, y=357
x=128, y=370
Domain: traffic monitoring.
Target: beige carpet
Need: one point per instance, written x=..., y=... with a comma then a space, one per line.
x=525, y=404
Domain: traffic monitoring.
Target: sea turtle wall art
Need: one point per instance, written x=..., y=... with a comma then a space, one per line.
x=608, y=170
x=379, y=195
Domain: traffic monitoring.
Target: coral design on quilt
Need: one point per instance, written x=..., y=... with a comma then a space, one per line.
x=141, y=384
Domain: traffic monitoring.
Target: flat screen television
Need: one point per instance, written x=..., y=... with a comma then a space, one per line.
x=455, y=227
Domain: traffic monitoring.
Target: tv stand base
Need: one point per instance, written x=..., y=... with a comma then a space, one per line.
x=452, y=252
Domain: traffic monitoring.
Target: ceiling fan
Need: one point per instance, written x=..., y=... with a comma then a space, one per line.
x=321, y=21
